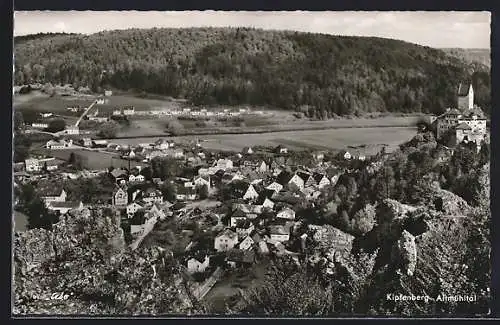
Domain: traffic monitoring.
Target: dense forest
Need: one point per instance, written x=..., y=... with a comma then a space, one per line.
x=321, y=75
x=471, y=56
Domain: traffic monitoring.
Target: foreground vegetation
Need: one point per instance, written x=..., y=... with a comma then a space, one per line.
x=320, y=75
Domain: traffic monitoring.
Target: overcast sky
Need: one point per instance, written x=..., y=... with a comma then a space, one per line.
x=435, y=29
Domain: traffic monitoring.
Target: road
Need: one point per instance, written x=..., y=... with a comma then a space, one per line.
x=85, y=113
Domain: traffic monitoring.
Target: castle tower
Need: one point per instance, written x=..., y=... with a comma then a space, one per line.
x=465, y=96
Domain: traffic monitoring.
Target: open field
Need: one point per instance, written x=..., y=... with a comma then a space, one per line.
x=140, y=104
x=93, y=160
x=148, y=127
x=57, y=104
x=333, y=139
x=44, y=103
x=140, y=127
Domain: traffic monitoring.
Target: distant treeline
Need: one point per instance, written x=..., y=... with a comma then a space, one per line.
x=320, y=75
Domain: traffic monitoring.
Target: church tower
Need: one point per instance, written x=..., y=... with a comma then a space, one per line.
x=465, y=96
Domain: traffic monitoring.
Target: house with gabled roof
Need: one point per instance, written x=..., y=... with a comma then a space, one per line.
x=321, y=180
x=244, y=228
x=311, y=193
x=224, y=164
x=262, y=167
x=158, y=210
x=136, y=178
x=226, y=240
x=246, y=243
x=274, y=186
x=279, y=233
x=200, y=181
x=133, y=207
x=120, y=196
x=53, y=194
x=237, y=177
x=287, y=214
x=119, y=173
x=288, y=179
x=268, y=204
x=196, y=266
x=280, y=149
x=251, y=193
x=152, y=195
x=185, y=193
x=307, y=178
x=236, y=216
x=247, y=151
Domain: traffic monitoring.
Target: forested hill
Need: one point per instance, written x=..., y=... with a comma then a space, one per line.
x=30, y=37
x=320, y=74
x=471, y=56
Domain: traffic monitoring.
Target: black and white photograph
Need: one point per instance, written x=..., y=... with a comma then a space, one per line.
x=249, y=164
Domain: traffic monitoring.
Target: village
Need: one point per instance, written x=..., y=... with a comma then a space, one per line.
x=232, y=210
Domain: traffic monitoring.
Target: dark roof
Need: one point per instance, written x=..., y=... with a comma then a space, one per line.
x=243, y=224
x=463, y=88
x=278, y=230
x=265, y=193
x=284, y=177
x=305, y=176
x=256, y=237
x=185, y=190
x=52, y=191
x=54, y=162
x=318, y=177
x=238, y=213
x=463, y=126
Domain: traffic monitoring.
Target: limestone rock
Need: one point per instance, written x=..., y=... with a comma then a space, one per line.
x=404, y=253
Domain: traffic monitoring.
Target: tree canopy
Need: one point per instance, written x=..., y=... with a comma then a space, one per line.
x=320, y=75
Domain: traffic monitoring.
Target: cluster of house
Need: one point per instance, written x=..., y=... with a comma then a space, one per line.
x=259, y=221
x=59, y=144
x=95, y=116
x=147, y=151
x=130, y=111
x=35, y=165
x=467, y=122
x=55, y=199
x=261, y=225
x=149, y=201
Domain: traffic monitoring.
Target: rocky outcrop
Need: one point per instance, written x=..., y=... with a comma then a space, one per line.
x=389, y=209
x=75, y=232
x=33, y=248
x=404, y=254
x=449, y=203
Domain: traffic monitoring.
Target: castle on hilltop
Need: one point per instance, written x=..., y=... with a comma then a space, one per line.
x=467, y=123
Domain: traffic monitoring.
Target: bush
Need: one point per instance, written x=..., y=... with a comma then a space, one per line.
x=108, y=129
x=56, y=125
x=175, y=127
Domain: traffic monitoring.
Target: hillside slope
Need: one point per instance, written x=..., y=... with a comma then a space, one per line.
x=322, y=75
x=471, y=56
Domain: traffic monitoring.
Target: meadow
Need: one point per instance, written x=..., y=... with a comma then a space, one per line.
x=373, y=138
x=92, y=160
x=41, y=102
